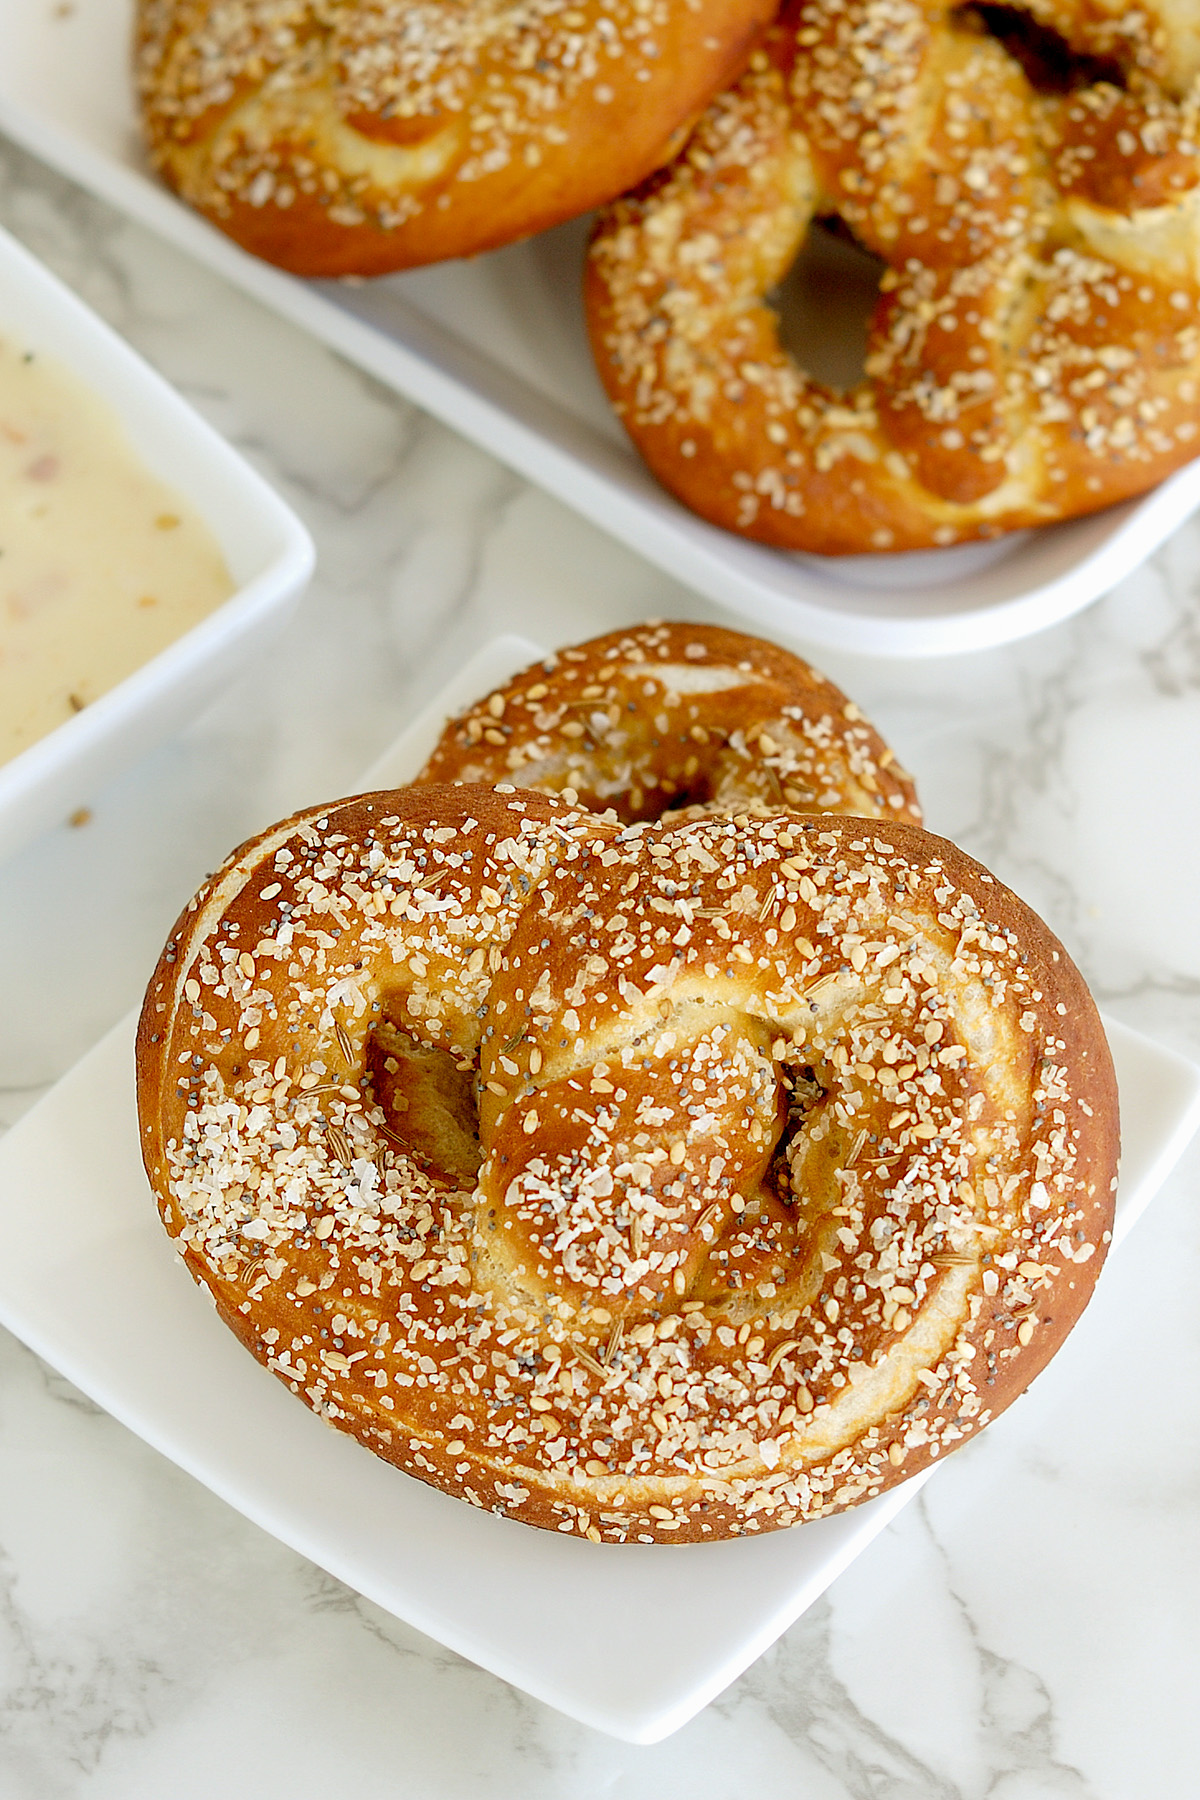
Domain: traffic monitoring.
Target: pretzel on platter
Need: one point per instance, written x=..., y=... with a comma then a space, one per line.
x=340, y=137
x=1035, y=350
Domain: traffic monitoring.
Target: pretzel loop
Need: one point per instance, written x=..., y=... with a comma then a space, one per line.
x=677, y=718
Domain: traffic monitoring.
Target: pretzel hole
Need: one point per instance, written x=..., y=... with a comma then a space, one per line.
x=1049, y=63
x=826, y=302
x=638, y=805
x=804, y=1092
x=664, y=802
x=429, y=1101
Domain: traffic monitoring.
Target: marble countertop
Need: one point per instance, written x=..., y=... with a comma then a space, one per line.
x=1030, y=1627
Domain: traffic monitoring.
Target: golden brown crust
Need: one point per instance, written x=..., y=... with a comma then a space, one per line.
x=669, y=716
x=1035, y=352
x=340, y=137
x=793, y=1159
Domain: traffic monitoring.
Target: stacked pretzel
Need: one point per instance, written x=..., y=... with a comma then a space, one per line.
x=678, y=719
x=651, y=1181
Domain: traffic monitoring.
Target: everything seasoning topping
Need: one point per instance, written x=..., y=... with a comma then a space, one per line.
x=399, y=70
x=643, y=1181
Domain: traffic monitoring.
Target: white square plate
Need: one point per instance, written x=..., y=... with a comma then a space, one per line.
x=267, y=551
x=630, y=1639
x=496, y=348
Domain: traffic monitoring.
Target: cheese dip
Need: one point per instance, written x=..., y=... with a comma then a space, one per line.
x=101, y=566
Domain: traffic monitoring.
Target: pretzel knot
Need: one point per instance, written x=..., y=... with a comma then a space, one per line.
x=644, y=1182
x=1035, y=349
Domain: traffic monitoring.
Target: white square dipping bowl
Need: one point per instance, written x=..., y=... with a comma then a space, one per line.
x=267, y=550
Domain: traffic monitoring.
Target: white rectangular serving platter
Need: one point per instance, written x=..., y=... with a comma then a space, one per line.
x=632, y=1640
x=496, y=348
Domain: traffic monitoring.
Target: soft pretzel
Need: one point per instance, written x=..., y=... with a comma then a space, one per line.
x=1035, y=350
x=342, y=137
x=667, y=717
x=649, y=1183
